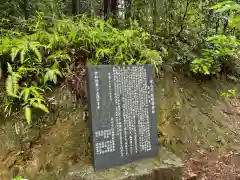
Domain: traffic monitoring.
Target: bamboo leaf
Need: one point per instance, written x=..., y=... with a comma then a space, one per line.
x=26, y=94
x=36, y=51
x=9, y=68
x=55, y=65
x=14, y=53
x=58, y=72
x=8, y=85
x=54, y=79
x=22, y=55
x=35, y=93
x=28, y=114
x=41, y=106
x=66, y=57
x=219, y=5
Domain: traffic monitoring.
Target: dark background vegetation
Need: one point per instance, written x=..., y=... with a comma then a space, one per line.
x=46, y=42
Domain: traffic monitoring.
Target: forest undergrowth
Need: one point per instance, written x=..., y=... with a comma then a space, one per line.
x=42, y=46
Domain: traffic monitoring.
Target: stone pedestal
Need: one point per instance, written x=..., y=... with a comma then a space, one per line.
x=164, y=167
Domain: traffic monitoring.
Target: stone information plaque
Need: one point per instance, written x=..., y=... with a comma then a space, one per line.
x=122, y=114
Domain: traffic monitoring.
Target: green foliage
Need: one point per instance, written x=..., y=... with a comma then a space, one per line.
x=221, y=47
x=40, y=52
x=233, y=9
x=42, y=56
x=202, y=65
x=19, y=178
x=229, y=93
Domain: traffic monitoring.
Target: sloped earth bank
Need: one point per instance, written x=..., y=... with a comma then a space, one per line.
x=199, y=124
x=195, y=122
x=213, y=166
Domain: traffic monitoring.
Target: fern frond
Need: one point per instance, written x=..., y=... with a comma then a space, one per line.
x=8, y=84
x=34, y=47
x=12, y=85
x=15, y=84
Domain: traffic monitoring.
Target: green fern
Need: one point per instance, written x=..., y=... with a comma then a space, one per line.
x=12, y=85
x=51, y=74
x=37, y=60
x=25, y=93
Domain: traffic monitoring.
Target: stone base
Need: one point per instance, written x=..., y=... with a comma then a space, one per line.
x=164, y=167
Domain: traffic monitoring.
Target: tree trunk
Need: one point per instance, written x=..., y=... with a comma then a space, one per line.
x=26, y=9
x=75, y=7
x=107, y=9
x=114, y=11
x=154, y=16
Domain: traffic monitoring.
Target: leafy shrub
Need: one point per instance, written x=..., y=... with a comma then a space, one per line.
x=47, y=50
x=229, y=93
x=221, y=47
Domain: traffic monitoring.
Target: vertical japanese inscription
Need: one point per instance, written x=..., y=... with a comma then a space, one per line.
x=106, y=138
x=96, y=81
x=123, y=114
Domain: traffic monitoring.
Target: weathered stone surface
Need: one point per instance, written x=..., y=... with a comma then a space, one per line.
x=122, y=114
x=165, y=167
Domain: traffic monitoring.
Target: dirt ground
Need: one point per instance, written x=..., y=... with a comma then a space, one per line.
x=213, y=166
x=194, y=122
x=202, y=127
x=220, y=162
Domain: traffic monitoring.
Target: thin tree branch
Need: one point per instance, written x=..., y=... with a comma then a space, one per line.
x=183, y=19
